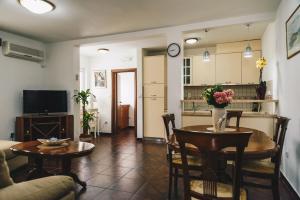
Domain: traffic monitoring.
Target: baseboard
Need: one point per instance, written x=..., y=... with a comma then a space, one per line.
x=105, y=133
x=155, y=140
x=289, y=187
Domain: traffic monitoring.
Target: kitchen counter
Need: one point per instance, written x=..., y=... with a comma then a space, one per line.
x=245, y=114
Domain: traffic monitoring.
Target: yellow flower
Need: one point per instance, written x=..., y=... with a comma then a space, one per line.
x=261, y=63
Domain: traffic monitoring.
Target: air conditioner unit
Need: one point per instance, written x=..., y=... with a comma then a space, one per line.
x=18, y=51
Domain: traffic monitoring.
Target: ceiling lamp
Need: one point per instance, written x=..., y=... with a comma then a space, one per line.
x=191, y=40
x=37, y=6
x=103, y=51
x=206, y=54
x=248, y=53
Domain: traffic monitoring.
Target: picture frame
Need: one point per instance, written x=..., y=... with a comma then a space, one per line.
x=99, y=79
x=293, y=33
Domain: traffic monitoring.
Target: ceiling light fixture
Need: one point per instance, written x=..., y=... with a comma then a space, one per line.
x=206, y=54
x=191, y=40
x=37, y=6
x=248, y=53
x=103, y=51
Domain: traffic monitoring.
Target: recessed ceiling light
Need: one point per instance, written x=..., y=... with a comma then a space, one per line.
x=37, y=6
x=103, y=50
x=191, y=40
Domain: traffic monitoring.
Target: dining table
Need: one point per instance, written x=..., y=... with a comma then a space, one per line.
x=260, y=145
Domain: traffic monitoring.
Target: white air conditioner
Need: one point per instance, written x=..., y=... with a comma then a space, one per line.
x=18, y=51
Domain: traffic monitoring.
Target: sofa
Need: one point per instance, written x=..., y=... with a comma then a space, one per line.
x=48, y=188
x=13, y=161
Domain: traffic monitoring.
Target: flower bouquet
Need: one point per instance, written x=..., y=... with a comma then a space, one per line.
x=261, y=63
x=219, y=99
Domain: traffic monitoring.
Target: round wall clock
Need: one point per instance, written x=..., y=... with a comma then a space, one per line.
x=174, y=50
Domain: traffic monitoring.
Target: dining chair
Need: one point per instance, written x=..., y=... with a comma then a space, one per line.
x=269, y=169
x=234, y=114
x=94, y=124
x=209, y=147
x=174, y=157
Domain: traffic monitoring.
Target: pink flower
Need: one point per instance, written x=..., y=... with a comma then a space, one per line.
x=224, y=97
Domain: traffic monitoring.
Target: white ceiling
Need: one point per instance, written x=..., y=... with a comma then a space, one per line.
x=123, y=47
x=227, y=34
x=74, y=19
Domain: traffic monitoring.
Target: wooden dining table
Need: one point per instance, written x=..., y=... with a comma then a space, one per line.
x=260, y=145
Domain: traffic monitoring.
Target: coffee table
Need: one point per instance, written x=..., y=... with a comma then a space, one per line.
x=38, y=153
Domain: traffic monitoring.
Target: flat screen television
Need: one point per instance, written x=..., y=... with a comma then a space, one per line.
x=44, y=101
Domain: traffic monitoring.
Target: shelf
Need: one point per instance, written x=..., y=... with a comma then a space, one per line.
x=234, y=101
x=225, y=84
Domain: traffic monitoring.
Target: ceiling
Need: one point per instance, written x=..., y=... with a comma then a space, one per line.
x=227, y=34
x=123, y=47
x=73, y=19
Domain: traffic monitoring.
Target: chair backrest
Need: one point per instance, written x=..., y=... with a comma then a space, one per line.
x=209, y=146
x=169, y=118
x=232, y=114
x=279, y=137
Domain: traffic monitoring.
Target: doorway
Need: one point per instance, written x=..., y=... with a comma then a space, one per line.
x=124, y=100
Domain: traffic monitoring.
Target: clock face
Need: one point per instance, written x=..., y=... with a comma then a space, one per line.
x=173, y=50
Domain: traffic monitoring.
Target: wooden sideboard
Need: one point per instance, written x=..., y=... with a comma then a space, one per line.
x=123, y=116
x=33, y=127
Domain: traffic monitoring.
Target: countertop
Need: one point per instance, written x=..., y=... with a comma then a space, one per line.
x=245, y=114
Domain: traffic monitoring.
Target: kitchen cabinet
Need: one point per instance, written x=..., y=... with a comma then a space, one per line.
x=236, y=47
x=228, y=68
x=203, y=73
x=187, y=71
x=154, y=69
x=153, y=123
x=250, y=74
x=154, y=90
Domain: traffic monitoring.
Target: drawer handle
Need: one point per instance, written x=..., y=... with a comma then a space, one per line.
x=153, y=99
x=153, y=95
x=153, y=82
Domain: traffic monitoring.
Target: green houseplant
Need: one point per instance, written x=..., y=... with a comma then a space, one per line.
x=82, y=97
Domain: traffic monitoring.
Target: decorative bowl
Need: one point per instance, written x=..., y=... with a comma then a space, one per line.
x=53, y=141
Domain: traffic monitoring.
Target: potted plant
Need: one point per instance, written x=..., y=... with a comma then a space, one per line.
x=219, y=99
x=262, y=87
x=82, y=98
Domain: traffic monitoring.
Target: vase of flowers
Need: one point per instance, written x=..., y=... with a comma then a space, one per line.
x=219, y=99
x=262, y=87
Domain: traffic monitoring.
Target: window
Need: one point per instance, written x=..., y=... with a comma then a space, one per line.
x=187, y=78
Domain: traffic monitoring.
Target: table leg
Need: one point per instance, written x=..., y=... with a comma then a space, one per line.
x=38, y=171
x=66, y=167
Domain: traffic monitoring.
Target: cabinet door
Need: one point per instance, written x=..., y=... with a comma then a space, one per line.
x=229, y=68
x=154, y=69
x=250, y=74
x=154, y=90
x=204, y=72
x=187, y=71
x=153, y=123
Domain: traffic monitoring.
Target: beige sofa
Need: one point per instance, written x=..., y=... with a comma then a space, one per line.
x=48, y=188
x=13, y=161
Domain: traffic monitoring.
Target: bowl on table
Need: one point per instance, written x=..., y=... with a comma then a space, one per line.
x=53, y=141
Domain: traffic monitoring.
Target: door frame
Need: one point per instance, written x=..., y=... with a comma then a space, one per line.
x=114, y=102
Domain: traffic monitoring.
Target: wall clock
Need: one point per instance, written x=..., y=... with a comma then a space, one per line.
x=174, y=50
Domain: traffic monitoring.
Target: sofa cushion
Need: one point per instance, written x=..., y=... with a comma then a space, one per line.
x=5, y=179
x=5, y=145
x=48, y=188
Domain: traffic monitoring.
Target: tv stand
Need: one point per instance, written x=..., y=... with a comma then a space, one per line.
x=32, y=127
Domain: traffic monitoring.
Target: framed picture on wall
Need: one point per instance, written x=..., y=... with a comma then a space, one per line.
x=293, y=33
x=99, y=78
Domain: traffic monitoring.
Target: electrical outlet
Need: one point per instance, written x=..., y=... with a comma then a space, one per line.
x=105, y=122
x=287, y=154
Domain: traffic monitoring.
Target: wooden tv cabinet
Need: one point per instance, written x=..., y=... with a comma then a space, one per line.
x=32, y=127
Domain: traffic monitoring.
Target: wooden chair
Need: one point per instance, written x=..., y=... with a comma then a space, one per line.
x=209, y=147
x=174, y=156
x=269, y=169
x=234, y=113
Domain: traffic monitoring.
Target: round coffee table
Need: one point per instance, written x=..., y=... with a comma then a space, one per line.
x=34, y=150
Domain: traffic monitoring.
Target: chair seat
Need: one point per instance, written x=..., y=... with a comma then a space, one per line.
x=223, y=190
x=192, y=160
x=259, y=166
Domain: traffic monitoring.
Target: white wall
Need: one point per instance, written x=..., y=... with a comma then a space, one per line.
x=287, y=71
x=108, y=62
x=15, y=76
x=126, y=92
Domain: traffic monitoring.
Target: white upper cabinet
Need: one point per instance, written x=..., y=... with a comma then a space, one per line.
x=228, y=68
x=204, y=72
x=154, y=69
x=250, y=74
x=187, y=71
